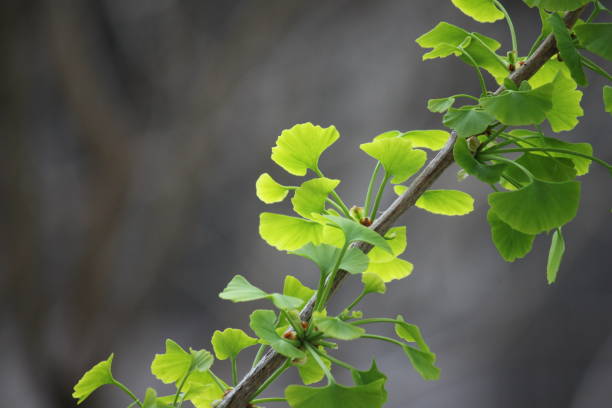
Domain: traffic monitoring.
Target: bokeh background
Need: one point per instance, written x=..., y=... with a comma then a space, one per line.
x=132, y=133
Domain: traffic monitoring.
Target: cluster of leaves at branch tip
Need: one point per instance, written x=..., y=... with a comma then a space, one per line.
x=535, y=192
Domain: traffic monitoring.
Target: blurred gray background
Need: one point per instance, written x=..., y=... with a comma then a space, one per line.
x=132, y=133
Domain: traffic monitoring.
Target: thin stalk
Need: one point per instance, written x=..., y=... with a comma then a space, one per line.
x=217, y=381
x=329, y=282
x=368, y=197
x=595, y=12
x=512, y=162
x=273, y=377
x=465, y=96
x=264, y=400
x=180, y=388
x=335, y=360
x=375, y=320
x=510, y=180
x=590, y=64
x=128, y=392
x=297, y=326
x=315, y=355
x=335, y=196
x=381, y=190
x=551, y=149
x=383, y=338
x=357, y=300
x=234, y=371
x=510, y=26
x=332, y=202
x=481, y=80
x=492, y=137
x=499, y=59
x=259, y=354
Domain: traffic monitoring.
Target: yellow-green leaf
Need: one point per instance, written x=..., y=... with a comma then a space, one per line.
x=230, y=342
x=483, y=11
x=310, y=197
x=390, y=270
x=268, y=190
x=446, y=202
x=288, y=233
x=97, y=376
x=397, y=156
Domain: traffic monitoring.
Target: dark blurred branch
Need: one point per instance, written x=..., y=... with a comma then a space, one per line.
x=241, y=394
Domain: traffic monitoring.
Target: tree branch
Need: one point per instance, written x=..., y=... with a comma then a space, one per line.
x=241, y=394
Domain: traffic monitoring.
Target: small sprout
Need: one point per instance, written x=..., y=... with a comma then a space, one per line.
x=290, y=334
x=473, y=143
x=304, y=325
x=511, y=67
x=357, y=314
x=365, y=221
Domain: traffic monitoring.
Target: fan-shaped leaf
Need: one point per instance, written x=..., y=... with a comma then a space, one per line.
x=263, y=324
x=239, y=289
x=423, y=362
x=311, y=372
x=557, y=249
x=230, y=342
x=97, y=376
x=440, y=105
x=310, y=196
x=520, y=107
x=288, y=233
x=337, y=328
x=429, y=139
x=372, y=283
x=446, y=202
x=464, y=158
x=396, y=238
x=397, y=156
x=390, y=270
x=511, y=244
x=483, y=11
x=557, y=5
x=335, y=395
x=151, y=400
x=324, y=256
x=565, y=104
x=596, y=37
x=545, y=168
x=566, y=48
x=354, y=232
x=269, y=191
x=467, y=121
x=411, y=333
x=294, y=288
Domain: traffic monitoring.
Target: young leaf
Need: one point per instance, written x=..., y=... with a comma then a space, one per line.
x=354, y=232
x=299, y=148
x=446, y=202
x=538, y=207
x=335, y=395
x=440, y=105
x=151, y=400
x=294, y=288
x=607, y=98
x=173, y=365
x=465, y=159
x=511, y=244
x=311, y=372
x=467, y=121
x=201, y=389
x=288, y=233
x=367, y=377
x=310, y=196
x=596, y=37
x=372, y=283
x=557, y=249
x=263, y=324
x=337, y=328
x=429, y=139
x=397, y=156
x=483, y=11
x=240, y=290
x=324, y=256
x=354, y=261
x=565, y=104
x=566, y=48
x=520, y=107
x=230, y=342
x=557, y=5
x=390, y=270
x=543, y=168
x=423, y=362
x=396, y=238
x=97, y=376
x=268, y=190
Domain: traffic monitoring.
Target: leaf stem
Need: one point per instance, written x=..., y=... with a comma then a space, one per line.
x=259, y=354
x=510, y=26
x=499, y=59
x=465, y=96
x=273, y=377
x=264, y=400
x=383, y=338
x=335, y=196
x=590, y=64
x=483, y=85
x=315, y=355
x=368, y=196
x=180, y=387
x=512, y=162
x=128, y=392
x=234, y=371
x=329, y=282
x=217, y=381
x=554, y=150
x=357, y=300
x=335, y=360
x=381, y=190
x=332, y=202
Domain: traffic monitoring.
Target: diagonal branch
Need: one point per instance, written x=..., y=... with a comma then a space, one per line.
x=239, y=397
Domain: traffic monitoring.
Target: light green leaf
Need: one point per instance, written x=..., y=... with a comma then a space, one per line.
x=173, y=365
x=429, y=139
x=548, y=72
x=467, y=121
x=557, y=249
x=538, y=207
x=230, y=342
x=294, y=288
x=565, y=104
x=201, y=389
x=268, y=190
x=557, y=5
x=483, y=11
x=397, y=156
x=388, y=134
x=396, y=238
x=335, y=395
x=288, y=233
x=511, y=244
x=399, y=189
x=353, y=232
x=607, y=98
x=423, y=362
x=566, y=48
x=201, y=360
x=390, y=270
x=372, y=283
x=440, y=105
x=354, y=261
x=239, y=289
x=97, y=376
x=446, y=202
x=311, y=372
x=151, y=400
x=299, y=148
x=263, y=324
x=369, y=376
x=337, y=328
x=520, y=107
x=310, y=196
x=596, y=37
x=324, y=256
x=465, y=159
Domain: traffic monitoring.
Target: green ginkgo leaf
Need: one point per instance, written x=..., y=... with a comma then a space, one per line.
x=566, y=48
x=607, y=98
x=397, y=156
x=537, y=207
x=565, y=104
x=520, y=107
x=263, y=324
x=239, y=289
x=294, y=288
x=511, y=244
x=310, y=197
x=396, y=238
x=483, y=11
x=96, y=377
x=268, y=190
x=230, y=342
x=151, y=400
x=335, y=395
x=440, y=105
x=372, y=283
x=288, y=233
x=557, y=5
x=337, y=328
x=299, y=148
x=202, y=389
x=354, y=232
x=467, y=121
x=555, y=255
x=423, y=362
x=310, y=371
x=544, y=168
x=172, y=365
x=429, y=139
x=596, y=37
x=390, y=270
x=465, y=159
x=446, y=202
x=324, y=256
x=369, y=376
